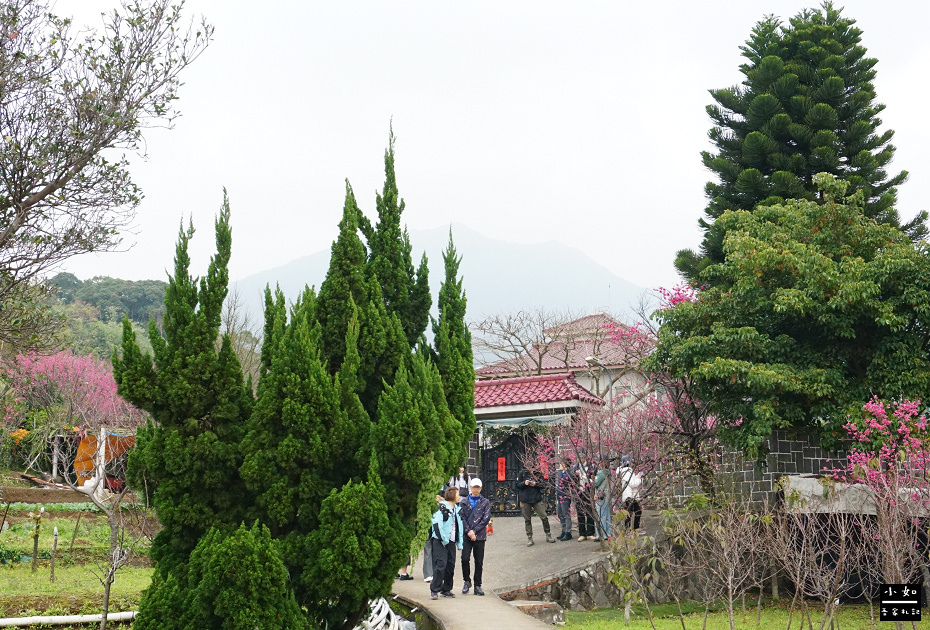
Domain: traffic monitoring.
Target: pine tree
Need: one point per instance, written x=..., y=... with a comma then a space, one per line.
x=806, y=106
x=190, y=456
x=453, y=346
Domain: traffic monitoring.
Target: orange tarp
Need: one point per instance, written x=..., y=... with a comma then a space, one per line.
x=85, y=460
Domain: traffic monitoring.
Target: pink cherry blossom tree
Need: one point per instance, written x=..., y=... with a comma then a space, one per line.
x=62, y=394
x=890, y=456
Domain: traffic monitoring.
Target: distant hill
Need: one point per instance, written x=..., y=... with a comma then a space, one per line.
x=499, y=276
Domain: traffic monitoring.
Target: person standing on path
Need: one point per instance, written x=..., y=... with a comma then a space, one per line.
x=446, y=533
x=584, y=506
x=428, y=547
x=460, y=481
x=631, y=482
x=602, y=499
x=476, y=514
x=529, y=491
x=563, y=499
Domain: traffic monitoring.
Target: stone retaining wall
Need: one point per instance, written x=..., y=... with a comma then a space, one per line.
x=788, y=455
x=581, y=588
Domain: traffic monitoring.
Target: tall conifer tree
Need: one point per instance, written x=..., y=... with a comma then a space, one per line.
x=190, y=456
x=453, y=345
x=806, y=106
x=405, y=293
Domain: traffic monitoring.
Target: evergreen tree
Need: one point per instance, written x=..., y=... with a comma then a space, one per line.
x=816, y=309
x=453, y=346
x=346, y=283
x=313, y=468
x=237, y=582
x=351, y=429
x=189, y=458
x=405, y=293
x=806, y=105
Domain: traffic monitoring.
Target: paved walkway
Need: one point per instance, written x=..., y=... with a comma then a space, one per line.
x=508, y=565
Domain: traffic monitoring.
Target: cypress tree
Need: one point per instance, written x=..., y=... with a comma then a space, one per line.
x=405, y=293
x=311, y=465
x=199, y=403
x=453, y=353
x=346, y=284
x=806, y=106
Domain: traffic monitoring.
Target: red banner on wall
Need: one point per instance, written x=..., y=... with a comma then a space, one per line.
x=501, y=468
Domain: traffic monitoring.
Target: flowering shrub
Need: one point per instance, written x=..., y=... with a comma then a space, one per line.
x=890, y=456
x=70, y=390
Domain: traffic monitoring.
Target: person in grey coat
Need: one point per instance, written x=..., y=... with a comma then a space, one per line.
x=476, y=514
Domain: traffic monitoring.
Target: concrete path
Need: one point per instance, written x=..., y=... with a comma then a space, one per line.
x=508, y=565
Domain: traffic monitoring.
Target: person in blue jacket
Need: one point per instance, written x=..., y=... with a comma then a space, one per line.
x=476, y=514
x=446, y=534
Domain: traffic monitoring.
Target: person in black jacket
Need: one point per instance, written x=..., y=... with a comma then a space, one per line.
x=529, y=491
x=476, y=514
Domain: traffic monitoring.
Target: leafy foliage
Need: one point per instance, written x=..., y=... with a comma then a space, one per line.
x=452, y=339
x=139, y=300
x=806, y=105
x=405, y=292
x=67, y=100
x=815, y=309
x=85, y=333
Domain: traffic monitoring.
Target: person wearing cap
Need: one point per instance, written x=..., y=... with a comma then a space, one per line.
x=476, y=514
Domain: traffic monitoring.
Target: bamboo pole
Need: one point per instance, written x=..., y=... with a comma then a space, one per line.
x=5, y=512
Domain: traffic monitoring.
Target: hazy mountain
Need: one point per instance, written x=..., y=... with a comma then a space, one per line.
x=498, y=276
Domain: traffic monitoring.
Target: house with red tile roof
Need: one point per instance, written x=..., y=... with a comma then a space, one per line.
x=543, y=398
x=583, y=348
x=575, y=365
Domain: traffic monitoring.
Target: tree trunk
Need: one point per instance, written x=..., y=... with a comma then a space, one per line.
x=352, y=620
x=106, y=600
x=35, y=547
x=759, y=606
x=791, y=611
x=730, y=607
x=681, y=615
x=74, y=534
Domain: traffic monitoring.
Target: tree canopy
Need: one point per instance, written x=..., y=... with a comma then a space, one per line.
x=815, y=309
x=67, y=100
x=806, y=105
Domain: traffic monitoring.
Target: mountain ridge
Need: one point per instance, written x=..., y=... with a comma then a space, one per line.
x=498, y=276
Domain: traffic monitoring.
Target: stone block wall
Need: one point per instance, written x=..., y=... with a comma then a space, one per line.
x=758, y=481
x=582, y=588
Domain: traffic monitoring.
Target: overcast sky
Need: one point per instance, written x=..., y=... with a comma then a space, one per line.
x=530, y=121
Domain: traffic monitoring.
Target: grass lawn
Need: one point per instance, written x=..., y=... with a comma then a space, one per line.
x=773, y=617
x=76, y=589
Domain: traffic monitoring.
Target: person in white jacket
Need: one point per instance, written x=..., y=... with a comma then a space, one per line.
x=631, y=482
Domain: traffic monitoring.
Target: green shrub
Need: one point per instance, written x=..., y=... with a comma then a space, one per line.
x=8, y=555
x=234, y=582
